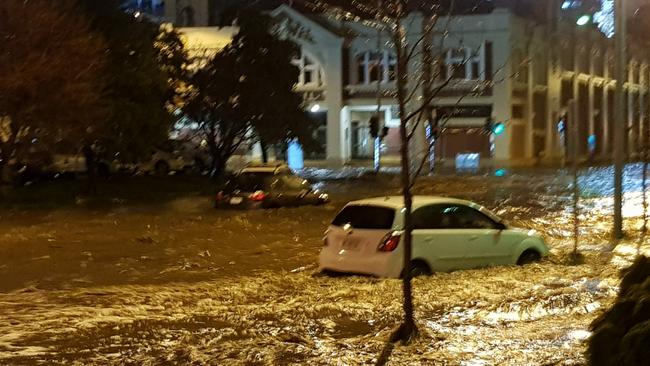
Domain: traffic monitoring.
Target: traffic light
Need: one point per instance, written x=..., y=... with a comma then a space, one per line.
x=497, y=128
x=582, y=11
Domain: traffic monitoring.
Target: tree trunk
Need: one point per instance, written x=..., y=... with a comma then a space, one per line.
x=4, y=178
x=4, y=168
x=91, y=169
x=218, y=167
x=7, y=148
x=408, y=328
x=216, y=163
x=265, y=151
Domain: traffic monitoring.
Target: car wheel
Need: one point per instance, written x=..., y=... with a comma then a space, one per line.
x=528, y=257
x=162, y=168
x=419, y=268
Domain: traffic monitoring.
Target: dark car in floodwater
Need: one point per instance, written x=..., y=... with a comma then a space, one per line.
x=268, y=189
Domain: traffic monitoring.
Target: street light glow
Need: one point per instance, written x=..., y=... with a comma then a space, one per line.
x=315, y=108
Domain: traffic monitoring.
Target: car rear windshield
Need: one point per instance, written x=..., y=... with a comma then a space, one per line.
x=365, y=217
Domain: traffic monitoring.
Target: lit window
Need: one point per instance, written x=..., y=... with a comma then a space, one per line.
x=376, y=66
x=311, y=73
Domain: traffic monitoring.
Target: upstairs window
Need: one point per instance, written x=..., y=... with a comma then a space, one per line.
x=464, y=63
x=311, y=72
x=376, y=66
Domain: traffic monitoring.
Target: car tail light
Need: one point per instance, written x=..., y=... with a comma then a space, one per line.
x=390, y=241
x=258, y=196
x=220, y=196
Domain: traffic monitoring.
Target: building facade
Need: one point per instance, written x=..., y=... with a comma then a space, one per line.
x=499, y=66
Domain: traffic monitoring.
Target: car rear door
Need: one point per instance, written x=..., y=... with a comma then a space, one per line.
x=358, y=229
x=437, y=238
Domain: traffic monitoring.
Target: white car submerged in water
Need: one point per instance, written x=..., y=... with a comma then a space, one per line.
x=448, y=234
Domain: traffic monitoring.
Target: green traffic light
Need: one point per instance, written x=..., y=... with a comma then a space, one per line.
x=583, y=20
x=498, y=128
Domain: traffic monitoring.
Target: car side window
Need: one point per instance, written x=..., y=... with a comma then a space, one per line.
x=435, y=217
x=443, y=216
x=469, y=218
x=294, y=183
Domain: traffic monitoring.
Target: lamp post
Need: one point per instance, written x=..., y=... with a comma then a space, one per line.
x=619, y=120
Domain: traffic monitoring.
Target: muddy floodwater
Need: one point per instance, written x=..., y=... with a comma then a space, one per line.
x=175, y=282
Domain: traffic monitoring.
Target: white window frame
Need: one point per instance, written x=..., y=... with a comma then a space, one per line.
x=318, y=75
x=388, y=59
x=470, y=57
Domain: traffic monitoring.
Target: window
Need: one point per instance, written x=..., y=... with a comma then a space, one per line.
x=450, y=217
x=376, y=66
x=291, y=182
x=366, y=217
x=469, y=218
x=311, y=73
x=465, y=64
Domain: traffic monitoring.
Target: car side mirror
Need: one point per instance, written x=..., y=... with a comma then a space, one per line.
x=500, y=226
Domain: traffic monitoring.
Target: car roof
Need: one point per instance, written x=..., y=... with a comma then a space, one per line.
x=265, y=170
x=397, y=202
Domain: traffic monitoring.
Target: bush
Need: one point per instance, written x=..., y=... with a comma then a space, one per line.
x=621, y=336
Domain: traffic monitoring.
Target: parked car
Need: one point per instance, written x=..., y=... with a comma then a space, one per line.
x=31, y=167
x=448, y=234
x=268, y=187
x=176, y=156
x=266, y=169
x=76, y=164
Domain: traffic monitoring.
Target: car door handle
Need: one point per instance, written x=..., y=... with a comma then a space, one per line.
x=472, y=238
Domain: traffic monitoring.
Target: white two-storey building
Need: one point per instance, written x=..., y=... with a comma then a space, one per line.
x=511, y=69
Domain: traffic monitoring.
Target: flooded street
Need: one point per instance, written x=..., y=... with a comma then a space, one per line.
x=178, y=282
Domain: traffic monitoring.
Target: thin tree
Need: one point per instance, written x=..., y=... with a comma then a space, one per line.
x=395, y=18
x=638, y=27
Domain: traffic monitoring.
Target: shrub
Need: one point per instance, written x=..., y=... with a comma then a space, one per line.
x=621, y=336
